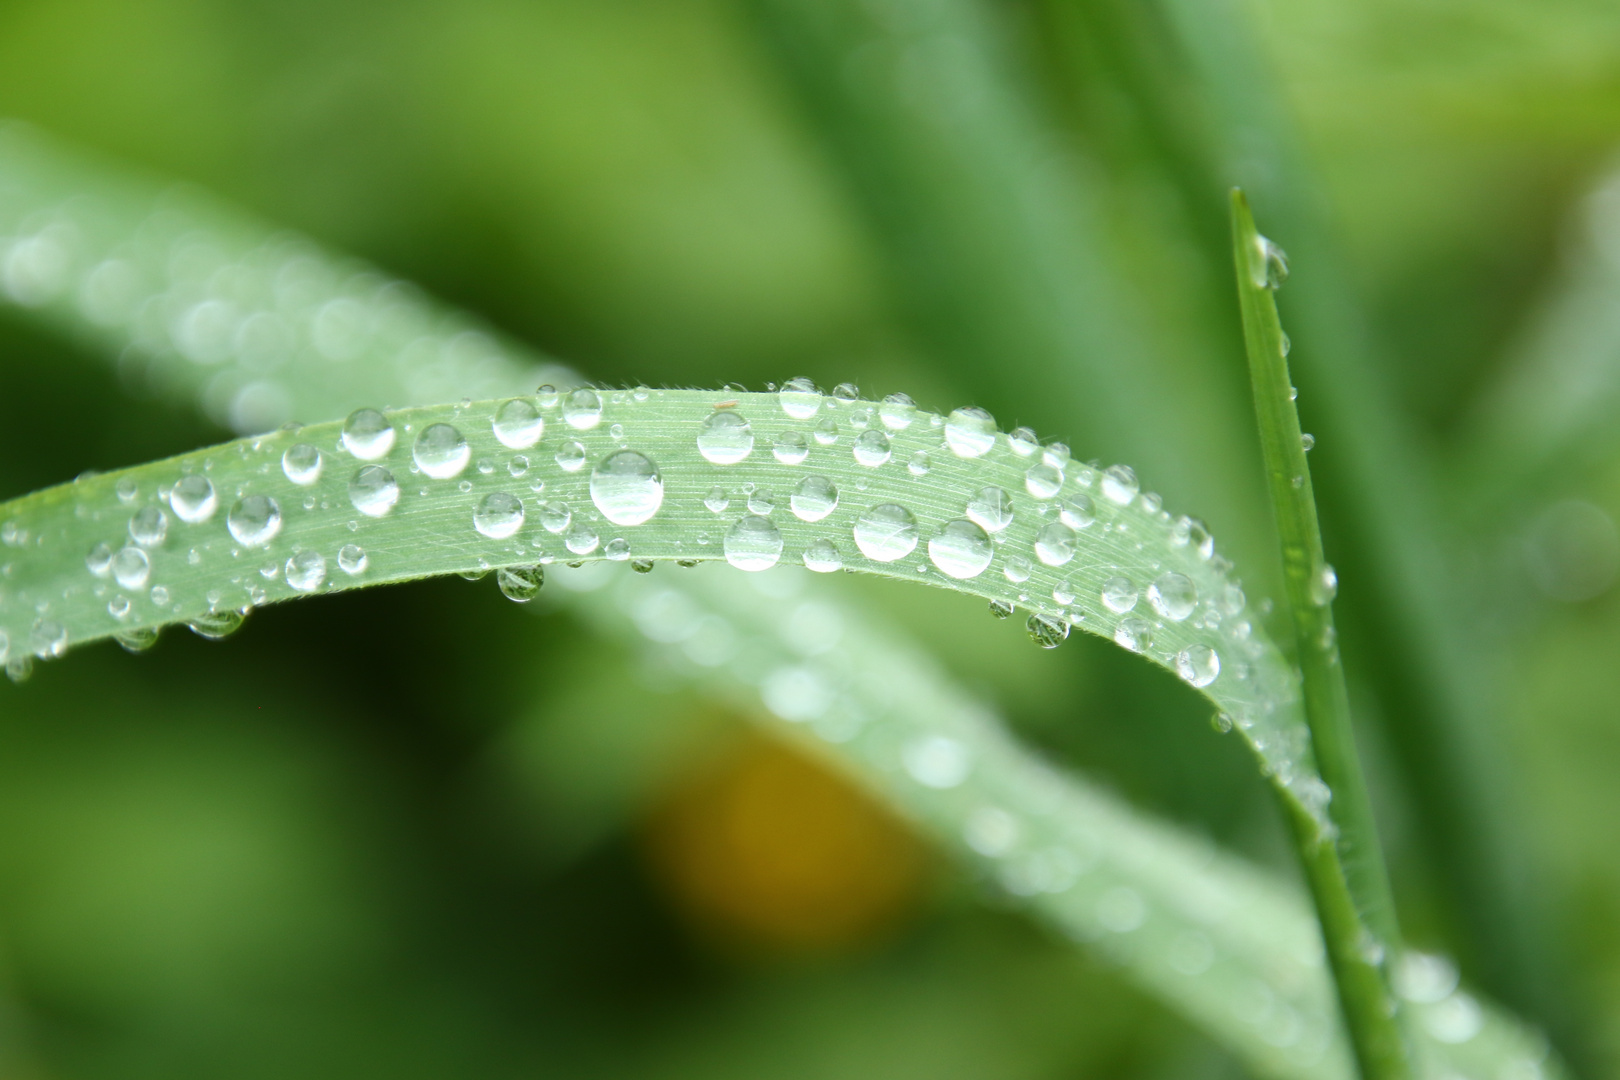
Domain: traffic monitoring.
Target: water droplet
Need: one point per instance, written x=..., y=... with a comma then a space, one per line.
x=791, y=448
x=546, y=396
x=126, y=489
x=1043, y=481
x=1324, y=585
x=970, y=432
x=1017, y=569
x=137, y=639
x=826, y=432
x=886, y=532
x=148, y=526
x=1285, y=345
x=1173, y=596
x=800, y=399
x=555, y=516
x=193, y=500
x=1190, y=531
x=725, y=438
x=368, y=435
x=50, y=639
x=518, y=468
x=1119, y=594
x=19, y=668
x=1023, y=442
x=518, y=424
x=716, y=500
x=1054, y=544
x=520, y=583
x=499, y=515
x=642, y=566
x=753, y=543
x=582, y=409
x=1077, y=511
x=872, y=448
x=1134, y=634
x=813, y=499
x=99, y=560
x=919, y=464
x=616, y=550
x=1307, y=441
x=216, y=624
x=118, y=607
x=1001, y=608
x=823, y=557
x=626, y=487
x=961, y=550
x=255, y=520
x=1056, y=455
x=302, y=464
x=571, y=457
x=760, y=501
x=352, y=559
x=1064, y=592
x=937, y=761
x=1270, y=265
x=160, y=596
x=1119, y=484
x=1047, y=631
x=991, y=508
x=373, y=491
x=306, y=570
x=1198, y=664
x=581, y=539
x=846, y=392
x=441, y=452
x=896, y=412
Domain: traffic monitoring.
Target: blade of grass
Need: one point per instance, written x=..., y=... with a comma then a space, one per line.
x=1357, y=910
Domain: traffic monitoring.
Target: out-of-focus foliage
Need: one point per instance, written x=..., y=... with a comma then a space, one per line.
x=297, y=853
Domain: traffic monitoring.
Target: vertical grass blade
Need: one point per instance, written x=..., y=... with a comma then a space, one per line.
x=1357, y=909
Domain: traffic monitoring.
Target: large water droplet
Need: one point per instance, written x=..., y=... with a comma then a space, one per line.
x=1173, y=596
x=872, y=448
x=1134, y=634
x=886, y=532
x=148, y=526
x=1119, y=484
x=99, y=560
x=1043, y=481
x=991, y=508
x=1198, y=664
x=581, y=539
x=823, y=557
x=255, y=520
x=302, y=464
x=1324, y=585
x=352, y=559
x=725, y=438
x=626, y=487
x=961, y=550
x=193, y=499
x=306, y=570
x=1077, y=511
x=518, y=424
x=582, y=409
x=520, y=583
x=970, y=432
x=216, y=624
x=896, y=412
x=800, y=399
x=555, y=516
x=373, y=491
x=814, y=498
x=499, y=515
x=1119, y=594
x=368, y=435
x=441, y=452
x=1047, y=631
x=1054, y=544
x=791, y=448
x=754, y=543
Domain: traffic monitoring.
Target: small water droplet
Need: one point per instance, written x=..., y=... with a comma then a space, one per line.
x=991, y=508
x=626, y=487
x=118, y=607
x=1198, y=664
x=352, y=559
x=823, y=557
x=641, y=566
x=1077, y=511
x=717, y=500
x=1119, y=594
x=193, y=499
x=1064, y=592
x=1017, y=569
x=19, y=668
x=126, y=489
x=498, y=515
x=1270, y=265
x=814, y=498
x=148, y=526
x=1057, y=455
x=373, y=491
x=1001, y=609
x=306, y=570
x=961, y=550
x=872, y=448
x=302, y=464
x=1173, y=596
x=1134, y=634
x=799, y=398
x=49, y=639
x=99, y=560
x=546, y=396
x=216, y=624
x=760, y=502
x=845, y=392
x=1043, y=481
x=571, y=457
x=255, y=520
x=616, y=550
x=582, y=409
x=617, y=430
x=970, y=432
x=1307, y=441
x=1293, y=393
x=137, y=639
x=1055, y=544
x=791, y=448
x=581, y=539
x=441, y=451
x=1119, y=484
x=520, y=583
x=725, y=438
x=753, y=543
x=919, y=464
x=1324, y=585
x=1190, y=531
x=896, y=412
x=518, y=468
x=555, y=516
x=368, y=435
x=1285, y=345
x=160, y=595
x=886, y=532
x=1047, y=631
x=826, y=432
x=1022, y=441
x=518, y=424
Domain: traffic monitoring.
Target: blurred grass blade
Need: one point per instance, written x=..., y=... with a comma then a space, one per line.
x=1362, y=934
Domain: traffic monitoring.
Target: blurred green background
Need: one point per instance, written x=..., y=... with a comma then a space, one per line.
x=419, y=832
